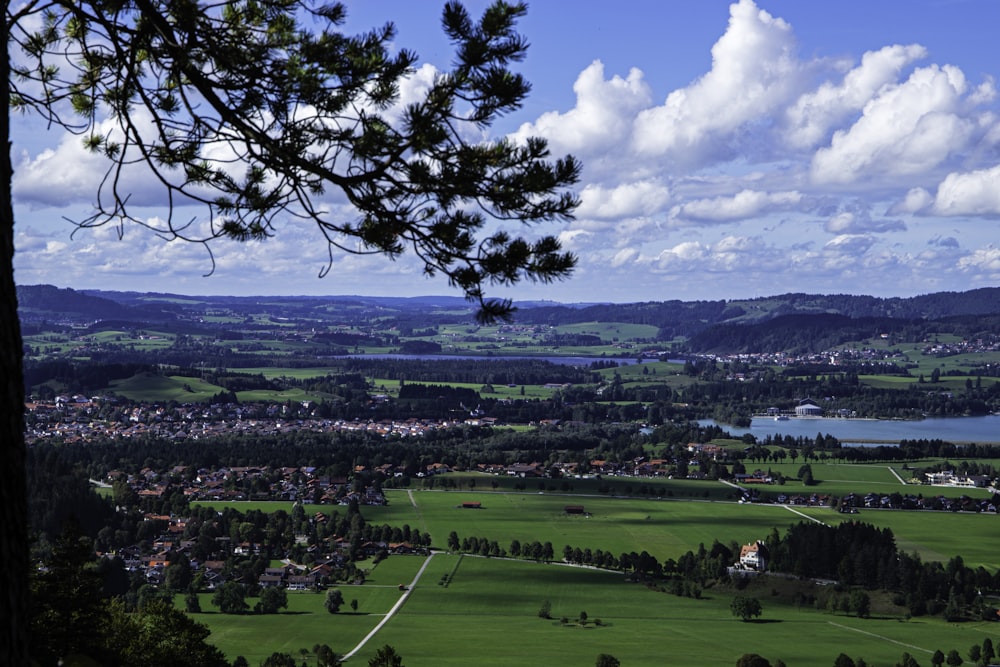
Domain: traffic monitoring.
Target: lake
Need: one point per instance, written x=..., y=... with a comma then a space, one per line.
x=584, y=362
x=952, y=429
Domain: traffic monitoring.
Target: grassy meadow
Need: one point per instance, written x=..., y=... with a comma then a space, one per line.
x=469, y=610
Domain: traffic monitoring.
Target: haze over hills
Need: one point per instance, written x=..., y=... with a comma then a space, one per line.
x=808, y=322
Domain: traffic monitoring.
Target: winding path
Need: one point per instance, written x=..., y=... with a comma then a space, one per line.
x=391, y=612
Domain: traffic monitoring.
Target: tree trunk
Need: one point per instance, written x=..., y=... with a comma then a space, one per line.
x=13, y=492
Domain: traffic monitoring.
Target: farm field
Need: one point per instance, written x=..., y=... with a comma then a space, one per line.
x=468, y=610
x=489, y=613
x=668, y=527
x=934, y=536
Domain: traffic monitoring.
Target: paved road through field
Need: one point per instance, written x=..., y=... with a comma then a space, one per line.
x=395, y=608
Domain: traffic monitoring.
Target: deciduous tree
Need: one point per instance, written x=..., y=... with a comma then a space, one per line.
x=386, y=657
x=334, y=600
x=746, y=607
x=230, y=598
x=272, y=599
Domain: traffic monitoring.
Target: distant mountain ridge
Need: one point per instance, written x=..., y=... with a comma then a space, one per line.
x=802, y=321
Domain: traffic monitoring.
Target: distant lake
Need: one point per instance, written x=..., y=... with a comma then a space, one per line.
x=952, y=429
x=566, y=361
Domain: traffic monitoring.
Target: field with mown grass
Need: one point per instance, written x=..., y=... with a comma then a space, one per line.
x=487, y=616
x=670, y=518
x=468, y=610
x=471, y=610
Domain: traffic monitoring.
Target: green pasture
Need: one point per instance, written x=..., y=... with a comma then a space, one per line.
x=274, y=372
x=487, y=615
x=266, y=506
x=469, y=610
x=608, y=331
x=154, y=388
x=840, y=479
x=934, y=536
x=639, y=487
x=666, y=529
x=305, y=622
x=143, y=340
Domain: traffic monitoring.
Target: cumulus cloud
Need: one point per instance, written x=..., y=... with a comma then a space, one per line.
x=857, y=219
x=983, y=261
x=813, y=115
x=973, y=193
x=629, y=199
x=625, y=256
x=858, y=147
x=944, y=242
x=741, y=206
x=601, y=118
x=849, y=244
x=906, y=130
x=914, y=201
x=754, y=72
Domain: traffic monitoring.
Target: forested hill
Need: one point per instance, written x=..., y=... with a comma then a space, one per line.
x=684, y=319
x=812, y=333
x=760, y=324
x=38, y=302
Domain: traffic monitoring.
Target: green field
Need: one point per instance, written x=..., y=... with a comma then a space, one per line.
x=487, y=615
x=471, y=610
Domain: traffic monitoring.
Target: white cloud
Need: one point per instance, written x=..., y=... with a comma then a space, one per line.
x=813, y=115
x=625, y=256
x=677, y=199
x=858, y=220
x=601, y=118
x=972, y=193
x=915, y=200
x=983, y=260
x=741, y=206
x=907, y=130
x=854, y=245
x=644, y=197
x=754, y=72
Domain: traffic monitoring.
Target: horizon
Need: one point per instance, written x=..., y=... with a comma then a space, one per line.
x=731, y=151
x=458, y=297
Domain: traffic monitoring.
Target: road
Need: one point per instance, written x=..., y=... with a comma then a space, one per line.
x=391, y=612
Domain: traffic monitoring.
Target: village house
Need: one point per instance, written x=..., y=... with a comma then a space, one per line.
x=753, y=557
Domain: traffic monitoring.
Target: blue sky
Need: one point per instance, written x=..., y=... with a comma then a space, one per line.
x=730, y=150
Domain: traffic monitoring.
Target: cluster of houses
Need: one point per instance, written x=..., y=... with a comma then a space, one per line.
x=851, y=503
x=304, y=484
x=950, y=478
x=330, y=558
x=79, y=418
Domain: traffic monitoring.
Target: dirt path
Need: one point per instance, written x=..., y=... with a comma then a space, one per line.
x=391, y=612
x=896, y=475
x=806, y=516
x=882, y=637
